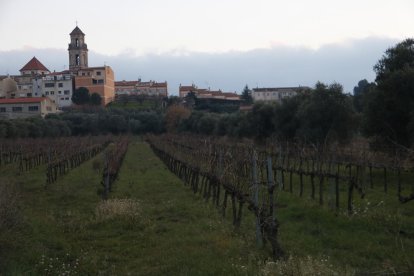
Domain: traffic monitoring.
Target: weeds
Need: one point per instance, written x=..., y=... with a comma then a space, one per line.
x=63, y=266
x=296, y=266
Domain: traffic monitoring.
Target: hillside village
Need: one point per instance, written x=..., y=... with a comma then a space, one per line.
x=37, y=90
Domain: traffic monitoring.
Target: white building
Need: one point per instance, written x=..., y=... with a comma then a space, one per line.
x=58, y=87
x=276, y=94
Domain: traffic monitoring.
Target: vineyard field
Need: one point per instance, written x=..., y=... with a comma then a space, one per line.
x=149, y=221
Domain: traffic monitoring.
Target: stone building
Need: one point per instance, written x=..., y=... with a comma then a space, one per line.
x=147, y=88
x=202, y=93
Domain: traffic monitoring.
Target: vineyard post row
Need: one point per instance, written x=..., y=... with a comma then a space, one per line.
x=250, y=176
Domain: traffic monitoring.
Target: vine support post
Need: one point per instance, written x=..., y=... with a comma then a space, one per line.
x=106, y=178
x=259, y=238
x=270, y=187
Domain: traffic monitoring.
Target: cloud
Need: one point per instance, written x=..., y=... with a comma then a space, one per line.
x=345, y=63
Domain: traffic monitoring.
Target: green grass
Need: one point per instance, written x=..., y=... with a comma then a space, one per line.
x=167, y=230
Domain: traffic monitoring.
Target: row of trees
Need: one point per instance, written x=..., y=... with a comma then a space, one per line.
x=86, y=121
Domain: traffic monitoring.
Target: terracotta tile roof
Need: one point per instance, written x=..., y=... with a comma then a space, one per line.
x=23, y=100
x=77, y=31
x=34, y=64
x=125, y=83
x=160, y=84
x=230, y=94
x=188, y=88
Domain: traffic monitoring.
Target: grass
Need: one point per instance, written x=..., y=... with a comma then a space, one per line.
x=151, y=225
x=154, y=225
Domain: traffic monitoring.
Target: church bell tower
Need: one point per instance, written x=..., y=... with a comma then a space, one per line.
x=78, y=51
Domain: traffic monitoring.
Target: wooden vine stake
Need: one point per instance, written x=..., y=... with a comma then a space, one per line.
x=259, y=238
x=272, y=225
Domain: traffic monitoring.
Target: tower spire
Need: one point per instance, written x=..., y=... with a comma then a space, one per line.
x=78, y=50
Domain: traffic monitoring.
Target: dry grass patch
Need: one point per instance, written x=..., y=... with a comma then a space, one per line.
x=118, y=208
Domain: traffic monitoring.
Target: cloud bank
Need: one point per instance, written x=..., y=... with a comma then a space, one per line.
x=345, y=63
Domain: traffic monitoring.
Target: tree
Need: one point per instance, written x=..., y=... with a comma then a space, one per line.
x=95, y=99
x=360, y=94
x=174, y=115
x=388, y=115
x=246, y=95
x=81, y=96
x=190, y=99
x=325, y=115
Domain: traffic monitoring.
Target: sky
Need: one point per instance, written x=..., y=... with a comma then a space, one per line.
x=221, y=44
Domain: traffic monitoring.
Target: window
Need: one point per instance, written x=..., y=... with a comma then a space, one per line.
x=17, y=109
x=77, y=60
x=77, y=42
x=60, y=84
x=60, y=92
x=47, y=93
x=66, y=92
x=94, y=81
x=33, y=108
x=29, y=94
x=83, y=74
x=62, y=99
x=51, y=84
x=2, y=109
x=66, y=98
x=52, y=92
x=98, y=73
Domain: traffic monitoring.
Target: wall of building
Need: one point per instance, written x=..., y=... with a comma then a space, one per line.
x=59, y=89
x=98, y=80
x=25, y=110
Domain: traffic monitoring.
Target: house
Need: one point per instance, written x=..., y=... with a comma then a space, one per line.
x=202, y=93
x=148, y=88
x=276, y=94
x=185, y=89
x=26, y=107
